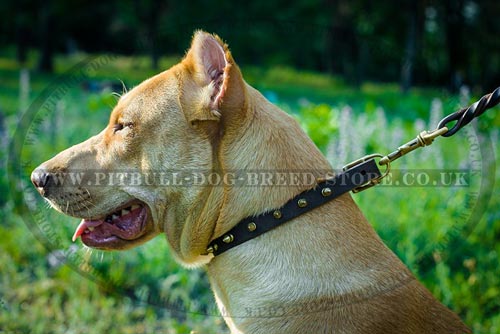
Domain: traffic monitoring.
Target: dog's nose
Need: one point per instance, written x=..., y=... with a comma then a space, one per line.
x=40, y=178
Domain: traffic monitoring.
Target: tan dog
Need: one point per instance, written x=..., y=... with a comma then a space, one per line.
x=326, y=271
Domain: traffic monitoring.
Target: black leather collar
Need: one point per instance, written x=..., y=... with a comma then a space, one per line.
x=248, y=228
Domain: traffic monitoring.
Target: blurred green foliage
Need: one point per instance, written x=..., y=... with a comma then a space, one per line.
x=442, y=42
x=145, y=291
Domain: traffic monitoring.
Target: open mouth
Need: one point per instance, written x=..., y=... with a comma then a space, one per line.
x=124, y=224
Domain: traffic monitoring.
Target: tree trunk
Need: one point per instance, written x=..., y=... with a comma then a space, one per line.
x=341, y=45
x=457, y=55
x=22, y=44
x=46, y=53
x=415, y=9
x=329, y=38
x=153, y=32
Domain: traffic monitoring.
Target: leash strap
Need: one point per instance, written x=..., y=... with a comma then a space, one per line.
x=358, y=176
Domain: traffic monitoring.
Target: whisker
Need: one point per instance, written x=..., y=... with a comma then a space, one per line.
x=86, y=206
x=88, y=193
x=124, y=88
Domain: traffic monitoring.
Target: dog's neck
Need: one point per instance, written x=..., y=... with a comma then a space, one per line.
x=340, y=250
x=275, y=143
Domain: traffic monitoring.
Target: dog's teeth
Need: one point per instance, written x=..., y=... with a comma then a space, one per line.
x=115, y=216
x=90, y=228
x=133, y=207
x=125, y=212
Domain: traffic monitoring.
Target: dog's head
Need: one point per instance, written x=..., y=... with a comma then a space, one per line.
x=118, y=181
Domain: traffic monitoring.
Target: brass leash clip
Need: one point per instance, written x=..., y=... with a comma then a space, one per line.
x=425, y=138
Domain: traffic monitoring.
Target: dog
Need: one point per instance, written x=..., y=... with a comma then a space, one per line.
x=325, y=271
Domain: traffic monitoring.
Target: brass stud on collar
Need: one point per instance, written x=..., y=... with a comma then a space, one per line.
x=277, y=214
x=302, y=203
x=228, y=238
x=326, y=192
x=212, y=249
x=252, y=226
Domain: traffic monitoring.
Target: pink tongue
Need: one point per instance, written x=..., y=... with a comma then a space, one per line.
x=84, y=225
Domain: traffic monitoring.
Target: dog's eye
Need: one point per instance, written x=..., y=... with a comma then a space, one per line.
x=120, y=126
x=117, y=127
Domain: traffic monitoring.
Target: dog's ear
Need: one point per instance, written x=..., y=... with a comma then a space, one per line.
x=219, y=85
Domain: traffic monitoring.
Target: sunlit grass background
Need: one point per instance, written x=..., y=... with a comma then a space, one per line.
x=429, y=228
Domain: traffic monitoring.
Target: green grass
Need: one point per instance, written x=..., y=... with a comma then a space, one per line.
x=434, y=230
